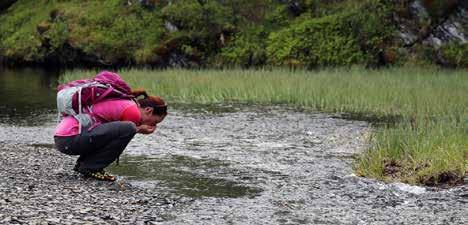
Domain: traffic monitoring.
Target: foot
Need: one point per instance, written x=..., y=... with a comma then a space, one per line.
x=101, y=175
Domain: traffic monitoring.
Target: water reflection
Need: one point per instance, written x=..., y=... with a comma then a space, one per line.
x=179, y=175
x=27, y=95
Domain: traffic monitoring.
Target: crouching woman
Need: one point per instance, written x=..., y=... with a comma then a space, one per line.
x=117, y=122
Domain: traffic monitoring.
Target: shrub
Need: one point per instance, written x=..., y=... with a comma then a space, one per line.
x=246, y=49
x=350, y=37
x=455, y=54
x=321, y=41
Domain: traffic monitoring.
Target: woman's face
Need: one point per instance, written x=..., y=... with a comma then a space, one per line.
x=147, y=117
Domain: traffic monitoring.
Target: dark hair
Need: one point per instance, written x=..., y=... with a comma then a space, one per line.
x=155, y=102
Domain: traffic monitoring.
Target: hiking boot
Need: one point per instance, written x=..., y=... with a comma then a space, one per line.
x=101, y=175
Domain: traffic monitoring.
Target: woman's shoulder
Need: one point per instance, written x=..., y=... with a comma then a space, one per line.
x=131, y=113
x=112, y=107
x=113, y=110
x=118, y=102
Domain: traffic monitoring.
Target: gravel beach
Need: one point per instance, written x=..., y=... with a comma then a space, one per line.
x=37, y=186
x=251, y=166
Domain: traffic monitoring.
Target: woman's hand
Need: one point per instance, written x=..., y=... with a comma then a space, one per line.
x=145, y=129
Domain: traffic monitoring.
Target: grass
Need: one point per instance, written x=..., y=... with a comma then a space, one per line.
x=428, y=143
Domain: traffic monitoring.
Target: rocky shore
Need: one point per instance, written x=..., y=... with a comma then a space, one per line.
x=38, y=186
x=241, y=167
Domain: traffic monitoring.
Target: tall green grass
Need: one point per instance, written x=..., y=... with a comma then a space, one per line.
x=429, y=141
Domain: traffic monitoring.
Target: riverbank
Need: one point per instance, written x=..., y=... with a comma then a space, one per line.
x=37, y=186
x=225, y=165
x=421, y=113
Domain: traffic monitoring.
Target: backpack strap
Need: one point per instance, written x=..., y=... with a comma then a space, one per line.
x=103, y=95
x=79, y=109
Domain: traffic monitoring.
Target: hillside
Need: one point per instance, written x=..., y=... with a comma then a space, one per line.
x=219, y=33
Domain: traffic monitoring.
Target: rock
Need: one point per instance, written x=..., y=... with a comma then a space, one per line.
x=91, y=218
x=53, y=220
x=6, y=220
x=170, y=27
x=85, y=210
x=106, y=216
x=437, y=33
x=16, y=200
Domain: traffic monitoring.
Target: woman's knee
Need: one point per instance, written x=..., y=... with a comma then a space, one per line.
x=127, y=128
x=63, y=144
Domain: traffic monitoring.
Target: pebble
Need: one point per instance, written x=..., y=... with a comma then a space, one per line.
x=53, y=220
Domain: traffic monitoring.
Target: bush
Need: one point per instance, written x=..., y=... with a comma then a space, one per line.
x=455, y=54
x=109, y=32
x=246, y=49
x=316, y=42
x=340, y=39
x=299, y=33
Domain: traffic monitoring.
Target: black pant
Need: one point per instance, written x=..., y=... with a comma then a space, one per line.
x=99, y=147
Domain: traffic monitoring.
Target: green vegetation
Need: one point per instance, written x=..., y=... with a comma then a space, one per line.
x=425, y=150
x=345, y=38
x=456, y=54
x=69, y=31
x=215, y=33
x=427, y=144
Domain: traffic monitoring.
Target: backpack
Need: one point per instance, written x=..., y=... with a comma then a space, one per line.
x=76, y=98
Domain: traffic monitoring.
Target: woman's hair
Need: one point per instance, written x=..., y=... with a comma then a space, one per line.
x=155, y=102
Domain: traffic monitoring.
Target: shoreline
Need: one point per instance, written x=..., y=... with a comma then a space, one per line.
x=37, y=185
x=304, y=178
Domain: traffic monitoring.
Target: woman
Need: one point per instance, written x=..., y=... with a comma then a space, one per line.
x=117, y=121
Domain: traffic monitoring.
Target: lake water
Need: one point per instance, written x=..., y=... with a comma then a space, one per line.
x=27, y=96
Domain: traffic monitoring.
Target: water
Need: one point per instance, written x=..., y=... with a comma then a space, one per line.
x=27, y=96
x=244, y=164
x=181, y=175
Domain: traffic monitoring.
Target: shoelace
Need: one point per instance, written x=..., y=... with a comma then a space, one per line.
x=102, y=175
